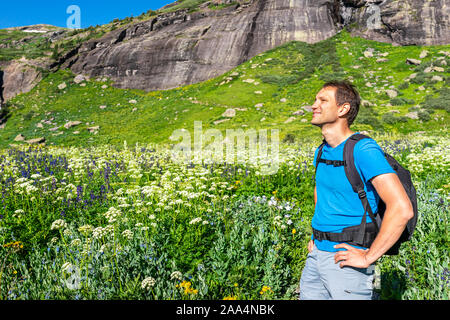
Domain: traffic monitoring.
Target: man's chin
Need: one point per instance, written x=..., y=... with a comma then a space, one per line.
x=314, y=123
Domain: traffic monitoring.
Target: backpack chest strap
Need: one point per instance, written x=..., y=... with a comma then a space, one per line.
x=335, y=163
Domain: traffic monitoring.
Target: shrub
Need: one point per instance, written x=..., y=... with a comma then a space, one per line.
x=424, y=116
x=289, y=138
x=403, y=85
x=421, y=78
x=397, y=101
x=440, y=102
x=390, y=118
x=278, y=79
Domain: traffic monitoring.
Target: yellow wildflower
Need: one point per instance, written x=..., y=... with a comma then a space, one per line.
x=265, y=289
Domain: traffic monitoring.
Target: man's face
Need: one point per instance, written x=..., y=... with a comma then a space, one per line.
x=325, y=109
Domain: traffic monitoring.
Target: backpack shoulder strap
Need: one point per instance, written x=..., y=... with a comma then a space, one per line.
x=355, y=180
x=350, y=168
x=319, y=154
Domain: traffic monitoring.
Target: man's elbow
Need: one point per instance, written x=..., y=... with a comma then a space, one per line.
x=406, y=210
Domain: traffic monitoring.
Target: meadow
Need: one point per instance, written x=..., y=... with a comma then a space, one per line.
x=127, y=222
x=99, y=210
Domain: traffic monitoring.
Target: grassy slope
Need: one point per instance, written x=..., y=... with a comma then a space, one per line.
x=294, y=71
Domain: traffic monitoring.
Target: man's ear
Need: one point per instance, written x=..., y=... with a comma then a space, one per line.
x=344, y=109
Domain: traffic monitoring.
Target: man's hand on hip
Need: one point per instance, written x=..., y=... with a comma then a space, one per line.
x=351, y=257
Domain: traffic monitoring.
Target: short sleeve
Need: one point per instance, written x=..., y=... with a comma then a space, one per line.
x=370, y=159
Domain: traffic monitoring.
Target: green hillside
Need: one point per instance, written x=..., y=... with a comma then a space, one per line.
x=265, y=92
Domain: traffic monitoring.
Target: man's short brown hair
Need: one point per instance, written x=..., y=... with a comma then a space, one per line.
x=346, y=93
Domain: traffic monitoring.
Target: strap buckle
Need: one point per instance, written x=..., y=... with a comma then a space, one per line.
x=361, y=194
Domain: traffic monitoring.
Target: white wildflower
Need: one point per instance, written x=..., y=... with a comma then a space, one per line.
x=176, y=275
x=127, y=234
x=148, y=283
x=86, y=229
x=112, y=214
x=35, y=176
x=75, y=242
x=195, y=220
x=99, y=233
x=58, y=224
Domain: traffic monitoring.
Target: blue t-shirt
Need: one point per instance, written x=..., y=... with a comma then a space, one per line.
x=338, y=206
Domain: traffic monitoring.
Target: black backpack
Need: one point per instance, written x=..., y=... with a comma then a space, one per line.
x=364, y=234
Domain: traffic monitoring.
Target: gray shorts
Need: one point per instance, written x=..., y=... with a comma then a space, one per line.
x=323, y=279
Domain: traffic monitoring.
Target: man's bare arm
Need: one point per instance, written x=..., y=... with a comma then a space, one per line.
x=398, y=212
x=315, y=196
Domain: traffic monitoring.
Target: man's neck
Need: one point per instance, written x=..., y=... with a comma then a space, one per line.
x=335, y=136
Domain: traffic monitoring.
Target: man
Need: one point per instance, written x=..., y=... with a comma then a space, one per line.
x=339, y=270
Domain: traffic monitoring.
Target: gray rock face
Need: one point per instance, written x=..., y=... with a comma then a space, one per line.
x=18, y=76
x=182, y=48
x=402, y=22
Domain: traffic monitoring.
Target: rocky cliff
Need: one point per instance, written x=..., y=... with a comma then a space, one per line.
x=185, y=47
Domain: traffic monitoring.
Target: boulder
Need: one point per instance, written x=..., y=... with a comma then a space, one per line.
x=36, y=141
x=290, y=119
x=79, y=78
x=413, y=61
x=391, y=93
x=93, y=129
x=19, y=137
x=220, y=121
x=368, y=54
x=307, y=108
x=423, y=54
x=437, y=78
x=366, y=103
x=71, y=124
x=412, y=115
x=298, y=112
x=229, y=113
x=62, y=86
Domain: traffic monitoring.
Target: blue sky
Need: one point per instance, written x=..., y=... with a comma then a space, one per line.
x=27, y=12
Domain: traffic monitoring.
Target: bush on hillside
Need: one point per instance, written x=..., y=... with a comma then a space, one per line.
x=397, y=101
x=390, y=118
x=440, y=102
